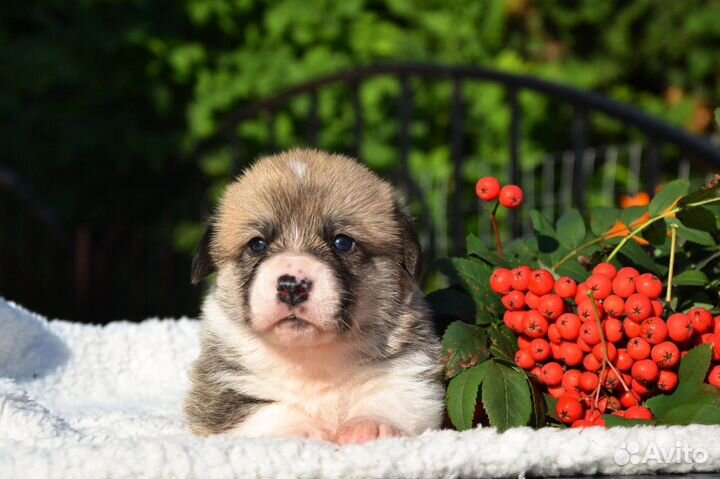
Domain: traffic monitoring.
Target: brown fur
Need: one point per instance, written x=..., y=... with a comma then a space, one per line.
x=294, y=199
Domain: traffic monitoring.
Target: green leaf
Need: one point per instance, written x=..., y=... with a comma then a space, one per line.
x=631, y=214
x=668, y=196
x=571, y=229
x=503, y=342
x=717, y=116
x=655, y=233
x=506, y=397
x=694, y=366
x=698, y=218
x=462, y=395
x=702, y=194
x=692, y=413
x=551, y=406
x=639, y=257
x=474, y=245
x=602, y=219
x=689, y=234
x=475, y=276
x=539, y=414
x=691, y=277
x=541, y=224
x=464, y=346
x=572, y=268
x=612, y=420
x=452, y=302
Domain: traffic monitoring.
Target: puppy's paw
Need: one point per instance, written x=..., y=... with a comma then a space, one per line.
x=361, y=430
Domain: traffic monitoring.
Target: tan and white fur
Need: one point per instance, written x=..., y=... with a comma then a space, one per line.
x=315, y=326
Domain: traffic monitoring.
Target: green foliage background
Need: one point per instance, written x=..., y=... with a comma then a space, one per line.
x=103, y=102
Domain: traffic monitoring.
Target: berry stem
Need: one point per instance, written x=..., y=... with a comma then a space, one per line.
x=493, y=222
x=671, y=269
x=606, y=360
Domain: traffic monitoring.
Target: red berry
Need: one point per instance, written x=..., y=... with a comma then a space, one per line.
x=568, y=325
x=611, y=352
x=566, y=287
x=645, y=371
x=614, y=306
x=554, y=334
x=531, y=300
x=714, y=376
x=711, y=339
x=654, y=330
x=500, y=281
x=514, y=300
x=658, y=307
x=556, y=392
x=666, y=355
x=667, y=381
x=638, y=307
x=590, y=333
x=624, y=361
x=581, y=293
x=520, y=277
x=680, y=327
x=638, y=412
x=580, y=423
x=571, y=379
x=551, y=374
x=600, y=285
x=534, y=324
x=571, y=353
x=524, y=360
x=541, y=282
x=551, y=306
x=702, y=320
x=514, y=320
x=555, y=348
x=640, y=388
x=628, y=271
x=586, y=312
x=629, y=399
x=569, y=410
x=487, y=188
x=613, y=330
x=612, y=380
x=523, y=343
x=591, y=363
x=588, y=381
x=586, y=348
x=649, y=285
x=638, y=348
x=605, y=268
x=631, y=328
x=623, y=285
x=539, y=350
x=511, y=196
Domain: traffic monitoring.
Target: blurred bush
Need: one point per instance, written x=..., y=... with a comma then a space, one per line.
x=103, y=102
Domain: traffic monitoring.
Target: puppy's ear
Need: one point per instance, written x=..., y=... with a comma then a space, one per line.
x=202, y=264
x=412, y=255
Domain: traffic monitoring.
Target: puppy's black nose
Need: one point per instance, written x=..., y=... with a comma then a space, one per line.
x=291, y=291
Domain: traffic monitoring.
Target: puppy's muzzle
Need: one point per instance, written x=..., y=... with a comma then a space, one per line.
x=291, y=291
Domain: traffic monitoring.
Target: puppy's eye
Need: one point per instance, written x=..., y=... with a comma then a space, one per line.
x=343, y=244
x=258, y=245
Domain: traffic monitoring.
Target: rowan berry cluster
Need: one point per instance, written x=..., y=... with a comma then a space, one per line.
x=602, y=345
x=489, y=189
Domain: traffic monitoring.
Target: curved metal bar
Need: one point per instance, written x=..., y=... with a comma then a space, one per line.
x=653, y=127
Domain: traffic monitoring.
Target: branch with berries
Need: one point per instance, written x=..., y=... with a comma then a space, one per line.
x=607, y=321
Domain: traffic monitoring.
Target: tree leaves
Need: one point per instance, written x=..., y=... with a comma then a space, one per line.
x=464, y=345
x=668, y=196
x=694, y=366
x=691, y=277
x=462, y=395
x=602, y=219
x=506, y=397
x=571, y=229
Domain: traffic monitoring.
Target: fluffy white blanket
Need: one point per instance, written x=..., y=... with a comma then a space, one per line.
x=79, y=401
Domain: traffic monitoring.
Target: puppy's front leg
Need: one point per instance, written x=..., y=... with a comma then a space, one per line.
x=279, y=419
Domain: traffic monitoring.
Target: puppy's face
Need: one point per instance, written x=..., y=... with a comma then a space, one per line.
x=310, y=249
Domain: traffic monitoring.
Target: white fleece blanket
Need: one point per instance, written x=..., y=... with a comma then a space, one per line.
x=79, y=401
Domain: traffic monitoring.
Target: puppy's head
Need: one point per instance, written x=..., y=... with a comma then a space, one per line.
x=310, y=248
